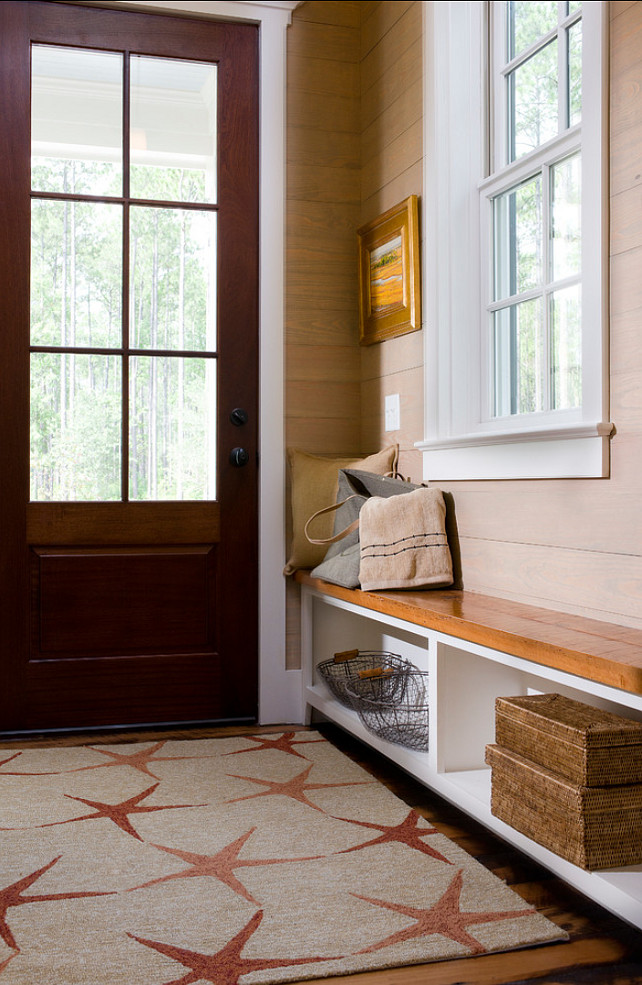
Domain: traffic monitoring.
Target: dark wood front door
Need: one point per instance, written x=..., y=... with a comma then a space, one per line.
x=129, y=368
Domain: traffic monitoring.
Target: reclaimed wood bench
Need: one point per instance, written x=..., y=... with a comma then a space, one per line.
x=604, y=652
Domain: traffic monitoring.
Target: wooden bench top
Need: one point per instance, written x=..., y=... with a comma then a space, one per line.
x=599, y=651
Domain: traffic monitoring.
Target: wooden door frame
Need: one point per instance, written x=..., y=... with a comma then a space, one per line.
x=280, y=690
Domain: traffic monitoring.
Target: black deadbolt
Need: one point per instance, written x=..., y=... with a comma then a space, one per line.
x=238, y=417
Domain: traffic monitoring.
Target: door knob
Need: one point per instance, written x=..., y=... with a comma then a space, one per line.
x=239, y=457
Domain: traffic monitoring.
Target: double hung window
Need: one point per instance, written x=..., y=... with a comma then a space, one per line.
x=522, y=356
x=533, y=205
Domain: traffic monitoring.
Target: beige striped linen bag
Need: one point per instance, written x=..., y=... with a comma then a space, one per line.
x=403, y=541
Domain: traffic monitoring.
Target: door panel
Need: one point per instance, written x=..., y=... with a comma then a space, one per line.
x=128, y=582
x=121, y=601
x=94, y=693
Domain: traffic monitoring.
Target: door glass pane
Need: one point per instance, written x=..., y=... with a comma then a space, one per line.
x=518, y=359
x=575, y=74
x=566, y=215
x=172, y=428
x=75, y=427
x=533, y=116
x=527, y=22
x=518, y=239
x=76, y=120
x=77, y=277
x=172, y=279
x=173, y=130
x=76, y=273
x=566, y=349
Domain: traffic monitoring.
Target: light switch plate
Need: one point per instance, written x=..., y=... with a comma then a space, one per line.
x=393, y=412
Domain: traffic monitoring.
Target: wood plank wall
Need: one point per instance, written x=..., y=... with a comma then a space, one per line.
x=392, y=168
x=354, y=148
x=573, y=545
x=323, y=197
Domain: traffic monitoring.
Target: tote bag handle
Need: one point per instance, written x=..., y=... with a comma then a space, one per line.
x=331, y=509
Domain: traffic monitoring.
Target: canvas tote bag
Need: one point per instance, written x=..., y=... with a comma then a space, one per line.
x=341, y=563
x=417, y=556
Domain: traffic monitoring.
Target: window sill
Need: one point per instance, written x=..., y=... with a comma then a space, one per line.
x=563, y=452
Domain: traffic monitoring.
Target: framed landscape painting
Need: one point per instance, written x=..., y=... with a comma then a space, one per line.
x=389, y=274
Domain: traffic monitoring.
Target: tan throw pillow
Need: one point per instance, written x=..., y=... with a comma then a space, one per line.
x=314, y=480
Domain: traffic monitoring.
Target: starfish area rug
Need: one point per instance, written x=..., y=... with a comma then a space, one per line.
x=239, y=860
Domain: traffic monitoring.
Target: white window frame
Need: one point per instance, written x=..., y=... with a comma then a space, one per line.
x=462, y=440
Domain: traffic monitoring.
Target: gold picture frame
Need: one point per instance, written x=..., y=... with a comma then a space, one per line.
x=390, y=305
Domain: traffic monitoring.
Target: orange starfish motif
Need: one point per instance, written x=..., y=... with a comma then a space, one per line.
x=284, y=743
x=220, y=866
x=444, y=918
x=296, y=788
x=14, y=896
x=407, y=833
x=138, y=760
x=226, y=966
x=4, y=964
x=118, y=813
x=31, y=773
x=3, y=762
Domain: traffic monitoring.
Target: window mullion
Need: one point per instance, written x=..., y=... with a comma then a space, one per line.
x=488, y=91
x=499, y=84
x=528, y=53
x=546, y=279
x=487, y=271
x=562, y=73
x=513, y=372
x=126, y=287
x=514, y=299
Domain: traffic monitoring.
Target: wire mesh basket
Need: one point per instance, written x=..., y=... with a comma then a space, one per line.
x=401, y=717
x=387, y=669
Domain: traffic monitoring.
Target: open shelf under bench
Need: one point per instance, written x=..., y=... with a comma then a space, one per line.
x=476, y=648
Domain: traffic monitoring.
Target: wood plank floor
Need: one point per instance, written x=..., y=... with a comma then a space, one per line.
x=602, y=950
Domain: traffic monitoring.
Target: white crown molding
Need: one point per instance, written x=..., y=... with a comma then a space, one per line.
x=239, y=10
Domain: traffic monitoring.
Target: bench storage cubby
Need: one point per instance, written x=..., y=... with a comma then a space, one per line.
x=476, y=649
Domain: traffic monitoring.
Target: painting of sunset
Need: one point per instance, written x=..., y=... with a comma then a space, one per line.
x=386, y=276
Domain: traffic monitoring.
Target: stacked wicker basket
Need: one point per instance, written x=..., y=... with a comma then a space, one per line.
x=569, y=776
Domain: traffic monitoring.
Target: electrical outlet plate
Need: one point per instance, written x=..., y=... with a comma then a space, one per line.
x=392, y=412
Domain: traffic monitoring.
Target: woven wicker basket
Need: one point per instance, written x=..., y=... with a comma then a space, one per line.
x=346, y=667
x=588, y=746
x=593, y=827
x=400, y=716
